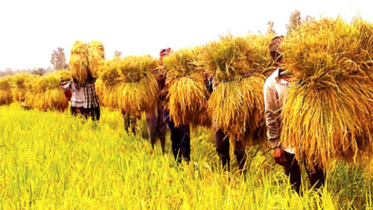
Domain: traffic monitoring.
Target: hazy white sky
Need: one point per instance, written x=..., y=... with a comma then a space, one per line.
x=32, y=29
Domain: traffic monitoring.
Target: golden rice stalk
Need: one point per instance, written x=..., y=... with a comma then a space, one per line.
x=329, y=116
x=55, y=100
x=5, y=83
x=107, y=95
x=187, y=100
x=78, y=62
x=96, y=54
x=134, y=68
x=334, y=123
x=51, y=81
x=365, y=49
x=32, y=87
x=108, y=83
x=109, y=74
x=325, y=51
x=237, y=107
x=231, y=56
x=6, y=97
x=99, y=85
x=138, y=96
x=65, y=75
x=19, y=90
x=49, y=95
x=182, y=62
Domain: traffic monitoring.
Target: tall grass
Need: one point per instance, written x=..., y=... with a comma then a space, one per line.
x=50, y=160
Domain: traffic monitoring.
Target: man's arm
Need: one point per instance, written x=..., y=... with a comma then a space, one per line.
x=272, y=114
x=66, y=86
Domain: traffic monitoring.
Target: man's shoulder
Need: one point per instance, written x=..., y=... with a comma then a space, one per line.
x=272, y=78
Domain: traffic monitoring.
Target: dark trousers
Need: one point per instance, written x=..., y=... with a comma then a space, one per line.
x=180, y=137
x=292, y=170
x=76, y=110
x=157, y=127
x=130, y=121
x=222, y=145
x=92, y=112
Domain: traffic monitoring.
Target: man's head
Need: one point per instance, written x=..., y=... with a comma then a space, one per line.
x=274, y=50
x=164, y=52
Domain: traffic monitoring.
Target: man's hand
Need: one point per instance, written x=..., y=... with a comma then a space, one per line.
x=279, y=155
x=162, y=94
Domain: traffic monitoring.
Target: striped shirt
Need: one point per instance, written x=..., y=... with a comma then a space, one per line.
x=90, y=96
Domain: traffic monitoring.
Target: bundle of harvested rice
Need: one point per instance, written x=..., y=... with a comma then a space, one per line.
x=20, y=86
x=231, y=57
x=138, y=90
x=107, y=84
x=65, y=75
x=49, y=94
x=135, y=97
x=31, y=92
x=187, y=94
x=129, y=84
x=78, y=62
x=6, y=91
x=329, y=116
x=237, y=65
x=237, y=107
x=96, y=54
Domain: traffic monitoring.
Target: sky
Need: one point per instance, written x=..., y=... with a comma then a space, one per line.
x=31, y=29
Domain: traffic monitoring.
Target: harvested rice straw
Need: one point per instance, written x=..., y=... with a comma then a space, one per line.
x=365, y=49
x=107, y=84
x=49, y=95
x=329, y=116
x=31, y=92
x=78, y=62
x=237, y=65
x=96, y=54
x=65, y=75
x=187, y=95
x=231, y=56
x=137, y=85
x=138, y=96
x=6, y=97
x=237, y=107
x=187, y=100
x=20, y=89
x=182, y=63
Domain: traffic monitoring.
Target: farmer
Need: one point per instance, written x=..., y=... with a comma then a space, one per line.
x=222, y=143
x=91, y=103
x=180, y=136
x=275, y=91
x=157, y=125
x=77, y=96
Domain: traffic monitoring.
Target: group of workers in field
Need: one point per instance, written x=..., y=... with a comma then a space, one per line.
x=85, y=101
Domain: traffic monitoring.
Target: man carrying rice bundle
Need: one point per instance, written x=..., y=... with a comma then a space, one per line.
x=84, y=64
x=236, y=106
x=91, y=103
x=77, y=97
x=275, y=90
x=157, y=126
x=180, y=134
x=328, y=109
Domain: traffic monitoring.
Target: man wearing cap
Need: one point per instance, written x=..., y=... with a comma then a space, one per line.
x=157, y=126
x=275, y=91
x=180, y=136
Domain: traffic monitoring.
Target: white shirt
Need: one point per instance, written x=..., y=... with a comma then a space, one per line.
x=77, y=98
